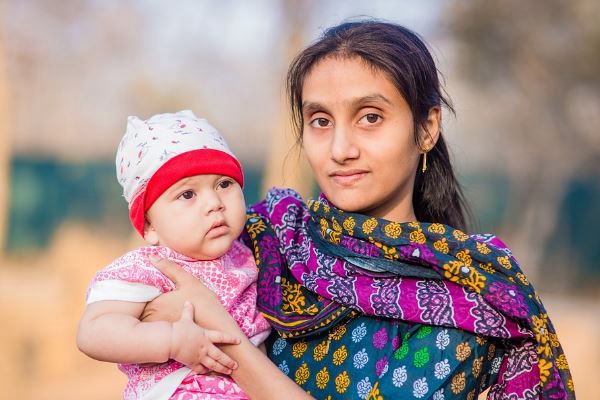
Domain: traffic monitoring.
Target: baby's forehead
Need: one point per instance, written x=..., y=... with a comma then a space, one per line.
x=199, y=180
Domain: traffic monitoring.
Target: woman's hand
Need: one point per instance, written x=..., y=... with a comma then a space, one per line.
x=209, y=313
x=168, y=306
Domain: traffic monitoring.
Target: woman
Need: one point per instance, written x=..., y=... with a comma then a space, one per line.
x=373, y=289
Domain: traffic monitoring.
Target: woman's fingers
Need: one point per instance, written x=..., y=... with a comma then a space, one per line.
x=172, y=270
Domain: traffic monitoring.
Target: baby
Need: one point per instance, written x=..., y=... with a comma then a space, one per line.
x=184, y=189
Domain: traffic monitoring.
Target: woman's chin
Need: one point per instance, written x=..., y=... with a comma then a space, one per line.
x=347, y=203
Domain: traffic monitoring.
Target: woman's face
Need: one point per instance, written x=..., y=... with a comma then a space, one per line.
x=358, y=138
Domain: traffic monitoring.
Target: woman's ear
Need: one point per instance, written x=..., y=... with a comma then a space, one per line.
x=150, y=234
x=429, y=135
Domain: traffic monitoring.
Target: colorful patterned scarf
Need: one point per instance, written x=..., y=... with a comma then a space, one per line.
x=319, y=264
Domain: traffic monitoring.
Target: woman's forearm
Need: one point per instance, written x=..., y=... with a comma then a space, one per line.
x=255, y=374
x=259, y=377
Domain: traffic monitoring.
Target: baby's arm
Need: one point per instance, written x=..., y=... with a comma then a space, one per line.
x=111, y=331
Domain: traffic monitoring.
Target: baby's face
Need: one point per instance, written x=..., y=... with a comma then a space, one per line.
x=199, y=216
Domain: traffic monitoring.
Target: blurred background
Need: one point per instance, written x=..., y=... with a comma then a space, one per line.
x=523, y=76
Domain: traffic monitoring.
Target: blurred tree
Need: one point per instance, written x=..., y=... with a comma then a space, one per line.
x=285, y=165
x=534, y=68
x=5, y=142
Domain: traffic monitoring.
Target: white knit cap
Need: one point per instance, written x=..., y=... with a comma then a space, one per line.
x=156, y=153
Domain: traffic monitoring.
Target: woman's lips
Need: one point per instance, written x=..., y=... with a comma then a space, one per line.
x=348, y=178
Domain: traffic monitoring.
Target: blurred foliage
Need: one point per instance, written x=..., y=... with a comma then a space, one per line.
x=531, y=70
x=47, y=193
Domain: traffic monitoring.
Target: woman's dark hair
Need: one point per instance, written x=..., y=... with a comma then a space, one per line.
x=404, y=57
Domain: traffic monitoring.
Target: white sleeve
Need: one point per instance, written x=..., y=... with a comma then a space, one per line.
x=121, y=290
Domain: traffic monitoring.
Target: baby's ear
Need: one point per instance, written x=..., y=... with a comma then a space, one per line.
x=150, y=234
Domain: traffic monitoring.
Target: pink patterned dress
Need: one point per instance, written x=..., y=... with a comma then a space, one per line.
x=232, y=277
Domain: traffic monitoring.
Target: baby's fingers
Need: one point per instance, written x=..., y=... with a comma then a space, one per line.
x=221, y=337
x=218, y=361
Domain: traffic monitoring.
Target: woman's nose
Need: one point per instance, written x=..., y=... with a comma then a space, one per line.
x=343, y=146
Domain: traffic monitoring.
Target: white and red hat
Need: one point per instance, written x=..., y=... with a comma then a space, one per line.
x=156, y=153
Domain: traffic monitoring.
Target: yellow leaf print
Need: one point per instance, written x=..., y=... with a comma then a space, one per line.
x=320, y=351
x=335, y=225
x=388, y=252
x=326, y=208
x=483, y=248
x=256, y=227
x=322, y=378
x=338, y=332
x=464, y=256
x=299, y=348
x=504, y=261
x=369, y=225
x=414, y=225
x=452, y=270
x=491, y=351
x=302, y=374
x=324, y=226
x=458, y=383
x=522, y=278
x=475, y=280
x=340, y=355
x=459, y=235
x=349, y=225
x=471, y=395
x=477, y=364
x=463, y=351
x=342, y=381
x=561, y=362
x=334, y=237
x=316, y=206
x=417, y=237
x=293, y=299
x=487, y=268
x=393, y=230
x=544, y=366
x=437, y=228
x=540, y=329
x=441, y=245
x=457, y=271
x=554, y=340
x=374, y=393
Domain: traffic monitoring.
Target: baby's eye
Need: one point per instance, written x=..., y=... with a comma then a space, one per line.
x=188, y=194
x=224, y=184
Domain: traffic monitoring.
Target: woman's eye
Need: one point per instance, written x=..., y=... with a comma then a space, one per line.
x=320, y=123
x=188, y=194
x=371, y=118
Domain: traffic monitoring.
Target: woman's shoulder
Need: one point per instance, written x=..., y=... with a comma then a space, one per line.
x=492, y=240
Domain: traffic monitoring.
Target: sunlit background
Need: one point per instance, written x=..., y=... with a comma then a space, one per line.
x=523, y=76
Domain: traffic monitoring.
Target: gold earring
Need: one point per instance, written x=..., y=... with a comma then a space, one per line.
x=424, y=167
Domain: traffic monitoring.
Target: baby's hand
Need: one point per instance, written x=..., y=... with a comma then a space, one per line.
x=193, y=346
